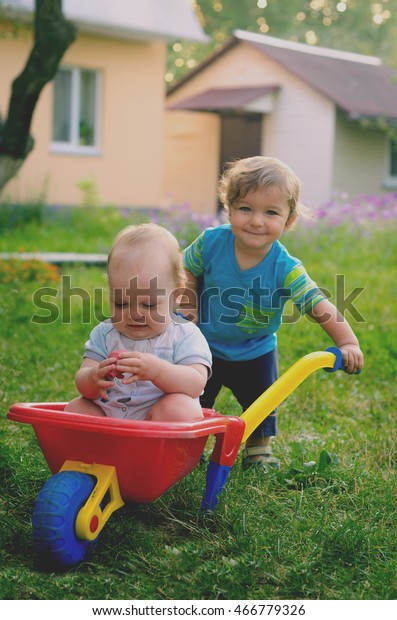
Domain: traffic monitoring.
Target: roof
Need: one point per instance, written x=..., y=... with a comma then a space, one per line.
x=361, y=85
x=128, y=19
x=222, y=98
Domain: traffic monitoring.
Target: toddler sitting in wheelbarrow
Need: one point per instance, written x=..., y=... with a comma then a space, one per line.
x=144, y=362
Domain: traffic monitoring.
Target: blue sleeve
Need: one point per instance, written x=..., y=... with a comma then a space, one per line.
x=193, y=256
x=304, y=291
x=95, y=347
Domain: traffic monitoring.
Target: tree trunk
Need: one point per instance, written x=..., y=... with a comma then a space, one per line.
x=52, y=37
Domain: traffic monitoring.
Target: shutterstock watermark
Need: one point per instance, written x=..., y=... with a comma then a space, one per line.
x=62, y=304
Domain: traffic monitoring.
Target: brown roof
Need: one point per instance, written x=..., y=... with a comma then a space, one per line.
x=360, y=85
x=360, y=88
x=222, y=98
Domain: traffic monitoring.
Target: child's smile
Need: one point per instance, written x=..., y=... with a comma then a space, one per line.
x=259, y=219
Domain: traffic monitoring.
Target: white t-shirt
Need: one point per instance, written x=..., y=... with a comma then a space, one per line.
x=181, y=343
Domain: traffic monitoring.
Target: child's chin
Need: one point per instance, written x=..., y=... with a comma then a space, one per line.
x=140, y=332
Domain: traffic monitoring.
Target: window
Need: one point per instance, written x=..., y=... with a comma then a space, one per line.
x=393, y=158
x=390, y=181
x=75, y=110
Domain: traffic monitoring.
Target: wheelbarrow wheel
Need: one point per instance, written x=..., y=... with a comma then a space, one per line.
x=54, y=517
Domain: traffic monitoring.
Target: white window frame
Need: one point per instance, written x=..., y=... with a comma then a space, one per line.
x=73, y=146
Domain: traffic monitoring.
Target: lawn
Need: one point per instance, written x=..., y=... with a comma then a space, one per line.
x=322, y=532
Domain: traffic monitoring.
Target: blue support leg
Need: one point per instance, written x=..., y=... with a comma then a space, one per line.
x=215, y=481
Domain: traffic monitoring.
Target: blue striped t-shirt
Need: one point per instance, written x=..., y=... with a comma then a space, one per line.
x=240, y=311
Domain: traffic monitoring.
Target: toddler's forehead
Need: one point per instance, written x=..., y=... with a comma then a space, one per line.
x=144, y=270
x=271, y=189
x=266, y=193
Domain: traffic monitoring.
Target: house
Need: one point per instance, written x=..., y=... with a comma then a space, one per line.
x=322, y=111
x=99, y=124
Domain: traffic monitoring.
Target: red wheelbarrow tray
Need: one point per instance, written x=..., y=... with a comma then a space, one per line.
x=149, y=457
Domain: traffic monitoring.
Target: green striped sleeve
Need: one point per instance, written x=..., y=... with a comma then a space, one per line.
x=193, y=256
x=304, y=291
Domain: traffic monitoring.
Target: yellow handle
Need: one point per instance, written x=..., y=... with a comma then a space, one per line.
x=287, y=383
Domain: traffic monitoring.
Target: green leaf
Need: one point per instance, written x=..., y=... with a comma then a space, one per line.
x=325, y=460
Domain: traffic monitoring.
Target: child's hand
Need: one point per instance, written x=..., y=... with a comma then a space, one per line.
x=353, y=358
x=114, y=356
x=100, y=376
x=141, y=366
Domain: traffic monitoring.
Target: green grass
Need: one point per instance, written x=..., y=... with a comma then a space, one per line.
x=65, y=230
x=322, y=532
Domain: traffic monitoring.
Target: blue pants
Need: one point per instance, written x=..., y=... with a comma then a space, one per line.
x=247, y=380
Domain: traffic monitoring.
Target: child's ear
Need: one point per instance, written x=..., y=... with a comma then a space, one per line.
x=290, y=222
x=177, y=295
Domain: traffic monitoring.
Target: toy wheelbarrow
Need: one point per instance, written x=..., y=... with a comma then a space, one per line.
x=100, y=463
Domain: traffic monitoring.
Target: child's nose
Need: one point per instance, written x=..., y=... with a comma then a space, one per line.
x=134, y=314
x=257, y=219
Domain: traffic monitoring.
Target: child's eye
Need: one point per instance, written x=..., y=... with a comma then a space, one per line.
x=245, y=209
x=149, y=306
x=119, y=304
x=271, y=212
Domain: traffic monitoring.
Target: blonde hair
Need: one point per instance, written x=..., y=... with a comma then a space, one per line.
x=254, y=173
x=135, y=238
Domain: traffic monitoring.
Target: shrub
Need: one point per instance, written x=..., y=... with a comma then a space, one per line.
x=184, y=223
x=15, y=271
x=16, y=215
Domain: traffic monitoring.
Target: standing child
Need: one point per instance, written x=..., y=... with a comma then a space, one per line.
x=164, y=361
x=242, y=276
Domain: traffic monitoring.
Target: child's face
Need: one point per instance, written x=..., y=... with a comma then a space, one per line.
x=259, y=219
x=141, y=295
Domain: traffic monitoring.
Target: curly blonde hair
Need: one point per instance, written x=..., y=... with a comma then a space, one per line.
x=254, y=173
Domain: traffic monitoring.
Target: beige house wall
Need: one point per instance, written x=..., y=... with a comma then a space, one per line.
x=191, y=159
x=128, y=168
x=360, y=159
x=300, y=129
x=240, y=66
